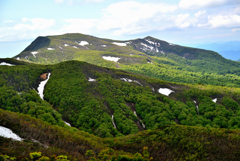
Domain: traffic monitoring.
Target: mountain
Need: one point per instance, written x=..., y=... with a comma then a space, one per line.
x=112, y=108
x=229, y=50
x=148, y=56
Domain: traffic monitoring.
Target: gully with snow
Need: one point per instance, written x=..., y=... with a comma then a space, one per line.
x=41, y=86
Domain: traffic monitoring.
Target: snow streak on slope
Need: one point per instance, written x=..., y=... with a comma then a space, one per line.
x=7, y=133
x=34, y=53
x=165, y=91
x=41, y=86
x=113, y=122
x=3, y=63
x=115, y=59
x=82, y=43
x=67, y=123
x=120, y=43
x=214, y=100
x=91, y=80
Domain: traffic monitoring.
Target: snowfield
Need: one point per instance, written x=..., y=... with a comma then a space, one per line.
x=165, y=91
x=214, y=100
x=67, y=123
x=110, y=58
x=120, y=43
x=4, y=63
x=41, y=86
x=34, y=53
x=91, y=80
x=82, y=43
x=113, y=122
x=7, y=133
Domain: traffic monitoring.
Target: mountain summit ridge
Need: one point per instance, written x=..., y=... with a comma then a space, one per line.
x=148, y=56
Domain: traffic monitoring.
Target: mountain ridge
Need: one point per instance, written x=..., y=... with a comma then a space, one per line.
x=147, y=56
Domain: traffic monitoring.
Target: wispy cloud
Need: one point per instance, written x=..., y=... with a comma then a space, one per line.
x=198, y=4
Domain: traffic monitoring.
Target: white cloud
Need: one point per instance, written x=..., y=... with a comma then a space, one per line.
x=79, y=25
x=211, y=36
x=193, y=4
x=94, y=1
x=58, y=1
x=8, y=21
x=126, y=16
x=199, y=13
x=237, y=10
x=236, y=30
x=34, y=24
x=182, y=20
x=224, y=21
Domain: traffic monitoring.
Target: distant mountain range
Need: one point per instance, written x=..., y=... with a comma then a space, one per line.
x=229, y=50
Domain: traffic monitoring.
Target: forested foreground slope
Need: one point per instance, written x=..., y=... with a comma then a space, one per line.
x=110, y=103
x=174, y=142
x=148, y=56
x=110, y=108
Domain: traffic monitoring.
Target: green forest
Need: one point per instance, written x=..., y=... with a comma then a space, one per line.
x=99, y=110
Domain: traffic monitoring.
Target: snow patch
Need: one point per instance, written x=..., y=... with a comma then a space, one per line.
x=104, y=46
x=50, y=48
x=126, y=79
x=66, y=45
x=60, y=47
x=148, y=47
x=3, y=63
x=67, y=123
x=214, y=100
x=41, y=86
x=135, y=113
x=138, y=82
x=18, y=58
x=120, y=43
x=35, y=141
x=34, y=53
x=91, y=80
x=171, y=44
x=115, y=59
x=7, y=133
x=153, y=89
x=150, y=42
x=197, y=110
x=165, y=91
x=143, y=124
x=113, y=122
x=194, y=101
x=75, y=47
x=162, y=52
x=82, y=43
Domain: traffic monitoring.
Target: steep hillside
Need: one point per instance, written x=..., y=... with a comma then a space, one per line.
x=110, y=103
x=163, y=143
x=148, y=56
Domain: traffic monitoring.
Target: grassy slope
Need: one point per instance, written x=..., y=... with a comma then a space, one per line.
x=178, y=64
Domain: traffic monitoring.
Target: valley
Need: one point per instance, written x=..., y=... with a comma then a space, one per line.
x=78, y=94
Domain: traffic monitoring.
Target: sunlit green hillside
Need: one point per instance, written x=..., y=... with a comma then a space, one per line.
x=148, y=56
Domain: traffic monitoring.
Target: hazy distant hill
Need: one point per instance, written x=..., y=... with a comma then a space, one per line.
x=229, y=50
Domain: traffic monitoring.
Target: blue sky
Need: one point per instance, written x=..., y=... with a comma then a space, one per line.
x=176, y=21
